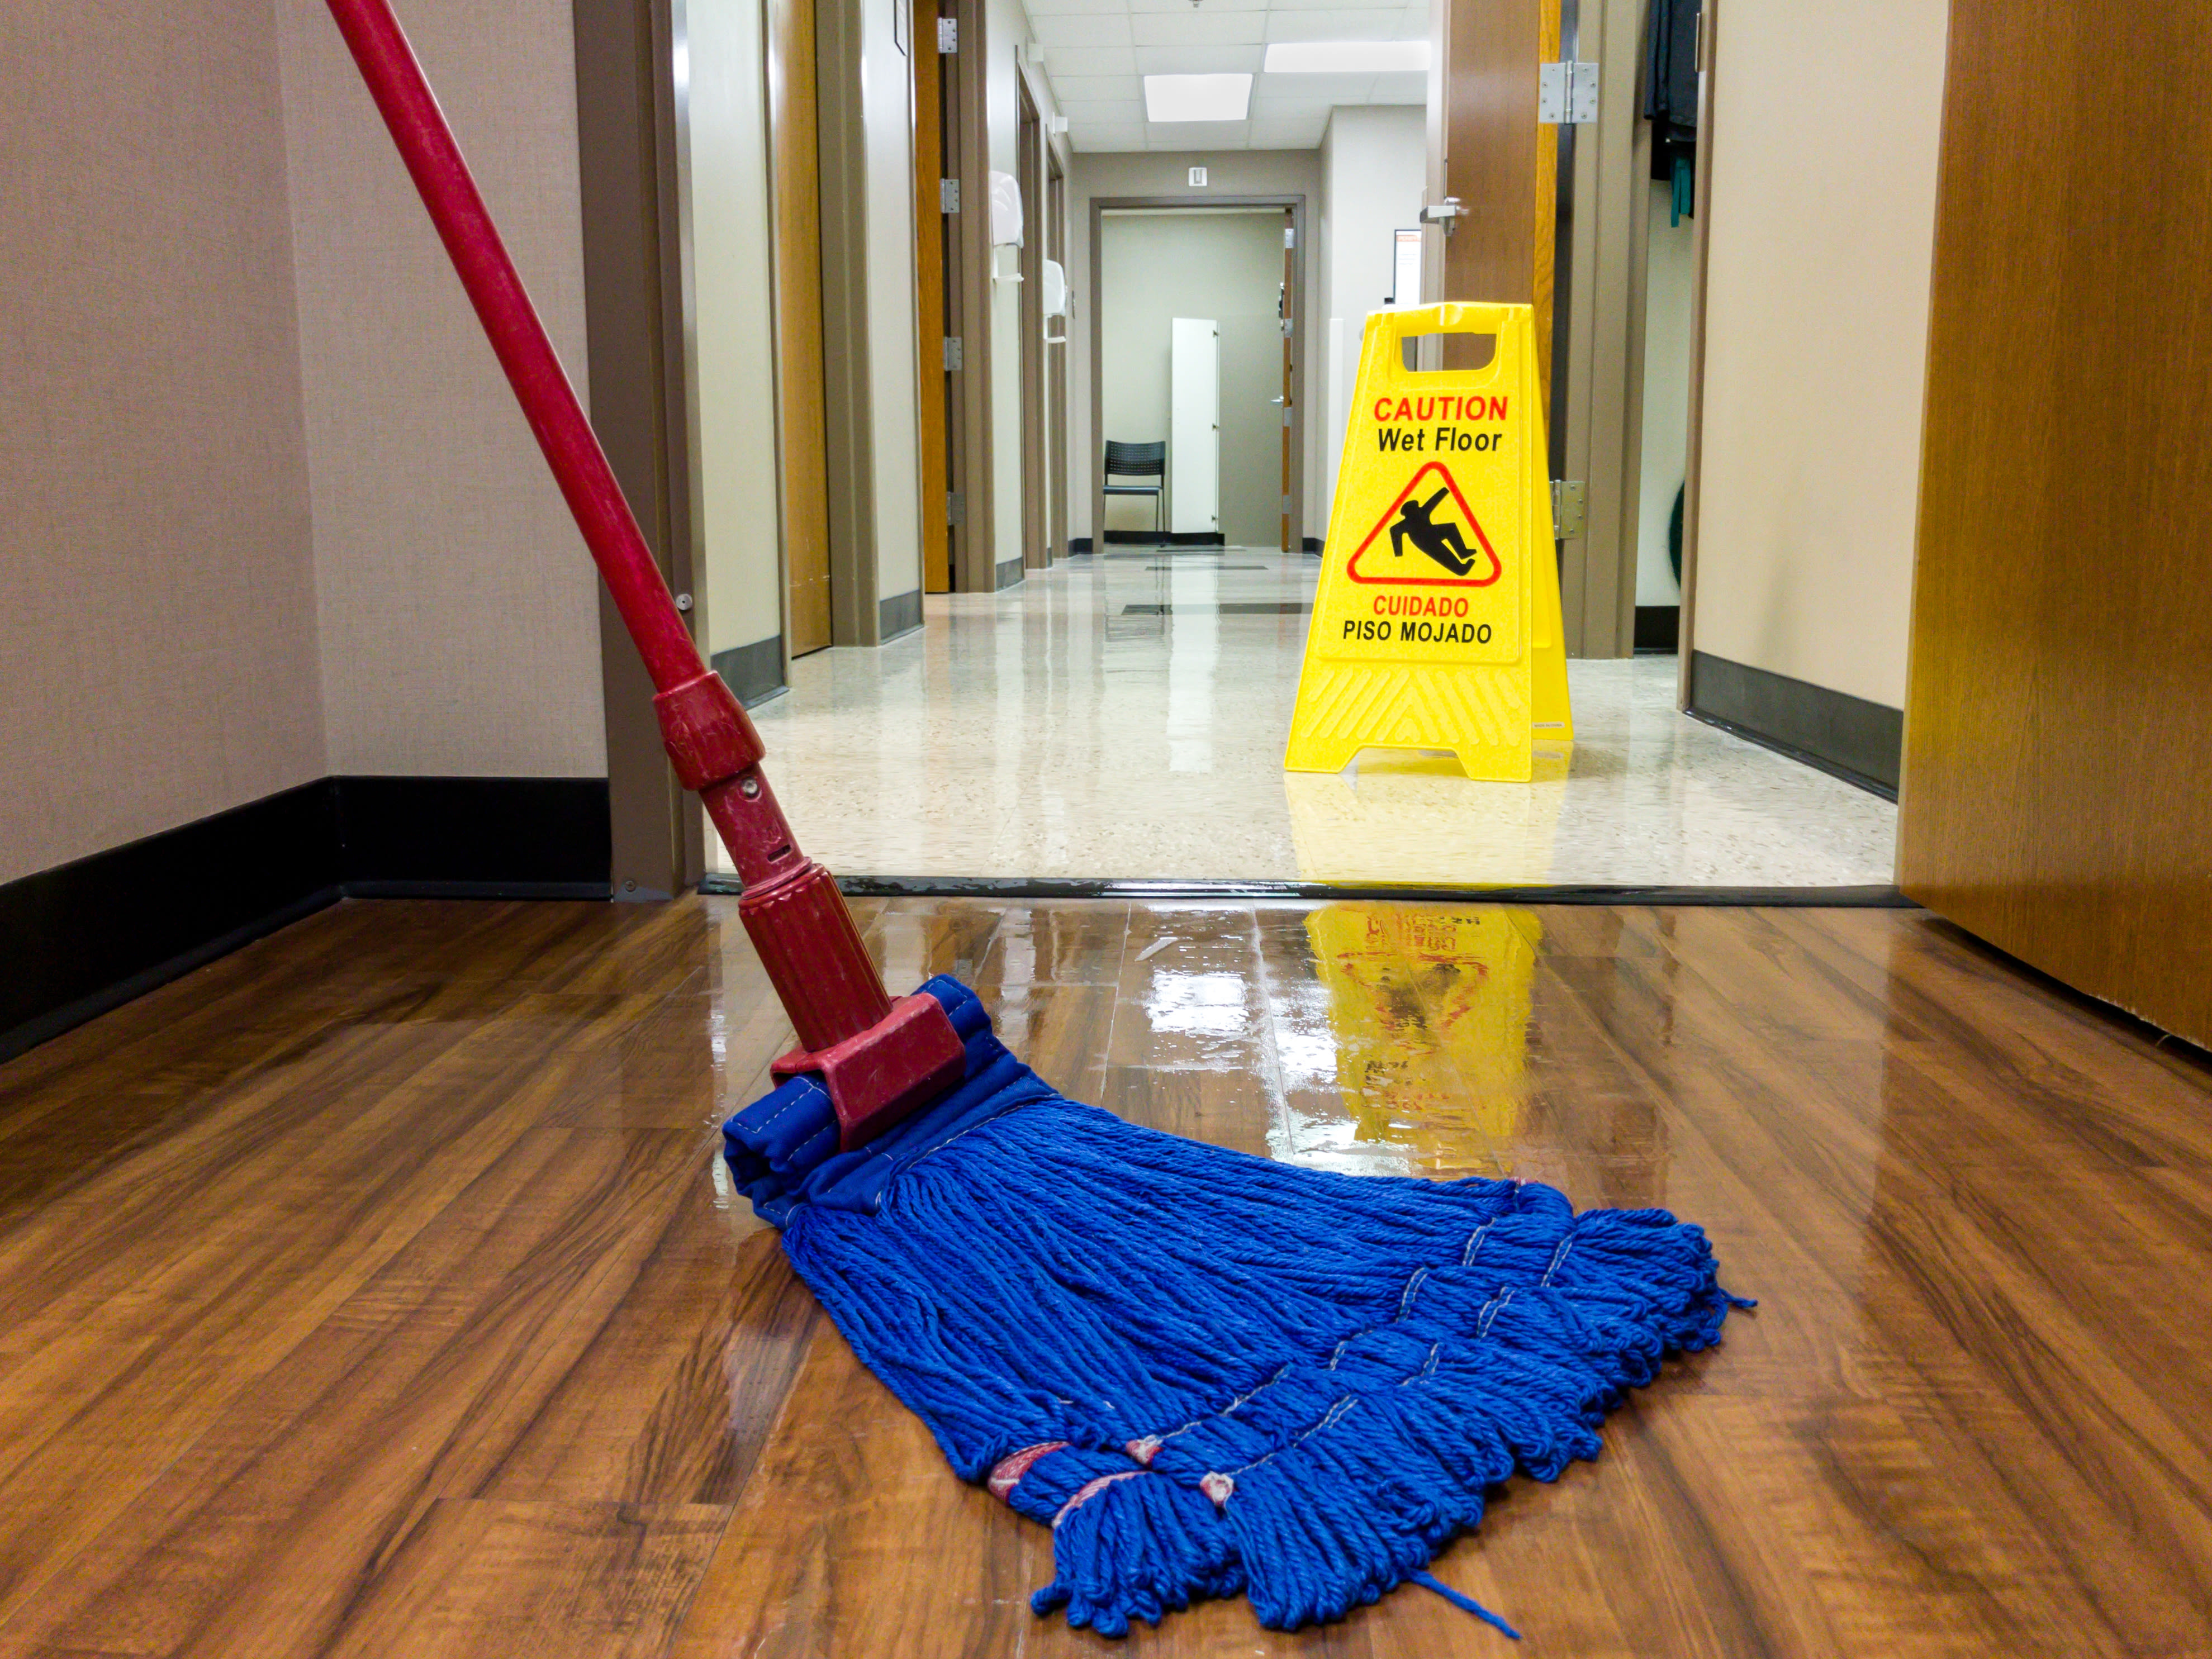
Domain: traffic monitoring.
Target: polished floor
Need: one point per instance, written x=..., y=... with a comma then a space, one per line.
x=376, y=1291
x=1125, y=716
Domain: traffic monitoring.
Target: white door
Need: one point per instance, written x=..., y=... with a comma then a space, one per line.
x=1195, y=427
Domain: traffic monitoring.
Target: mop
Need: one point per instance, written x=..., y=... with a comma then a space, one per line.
x=1210, y=1374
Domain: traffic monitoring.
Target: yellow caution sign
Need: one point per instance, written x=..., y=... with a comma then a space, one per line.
x=1437, y=622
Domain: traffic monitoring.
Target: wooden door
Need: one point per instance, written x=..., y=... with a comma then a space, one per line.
x=1289, y=399
x=929, y=298
x=1487, y=148
x=2057, y=799
x=1056, y=366
x=1029, y=174
x=802, y=436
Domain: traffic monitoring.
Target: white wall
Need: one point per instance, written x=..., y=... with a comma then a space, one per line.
x=1227, y=266
x=457, y=609
x=1817, y=276
x=1374, y=167
x=1669, y=273
x=1166, y=172
x=733, y=325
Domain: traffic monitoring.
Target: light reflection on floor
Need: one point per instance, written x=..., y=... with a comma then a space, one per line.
x=1126, y=717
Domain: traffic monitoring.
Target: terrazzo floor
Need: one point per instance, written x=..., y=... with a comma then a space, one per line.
x=1124, y=717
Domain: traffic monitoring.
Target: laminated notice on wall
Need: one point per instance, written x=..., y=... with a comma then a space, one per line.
x=1437, y=622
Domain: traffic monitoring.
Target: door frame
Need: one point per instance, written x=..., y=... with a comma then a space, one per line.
x=968, y=304
x=1294, y=204
x=1029, y=174
x=1056, y=469
x=1701, y=230
x=633, y=146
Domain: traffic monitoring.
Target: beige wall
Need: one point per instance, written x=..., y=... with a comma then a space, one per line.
x=733, y=323
x=460, y=630
x=157, y=604
x=1823, y=214
x=1226, y=266
x=1167, y=172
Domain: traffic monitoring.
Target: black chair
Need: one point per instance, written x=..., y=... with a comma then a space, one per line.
x=1137, y=461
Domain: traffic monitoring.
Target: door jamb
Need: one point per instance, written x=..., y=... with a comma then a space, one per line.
x=1301, y=339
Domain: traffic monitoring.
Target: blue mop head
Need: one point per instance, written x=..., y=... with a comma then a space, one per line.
x=1211, y=1374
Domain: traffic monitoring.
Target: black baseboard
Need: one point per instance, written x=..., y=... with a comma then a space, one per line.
x=1078, y=545
x=1166, y=538
x=90, y=935
x=1311, y=544
x=1241, y=891
x=899, y=614
x=1658, y=627
x=754, y=672
x=1860, y=742
x=1009, y=572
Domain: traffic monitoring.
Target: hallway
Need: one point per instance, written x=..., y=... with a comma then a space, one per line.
x=1124, y=716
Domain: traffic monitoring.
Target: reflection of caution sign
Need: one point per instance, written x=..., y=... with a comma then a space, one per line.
x=1437, y=622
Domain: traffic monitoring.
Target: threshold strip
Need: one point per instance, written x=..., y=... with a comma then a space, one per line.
x=1881, y=897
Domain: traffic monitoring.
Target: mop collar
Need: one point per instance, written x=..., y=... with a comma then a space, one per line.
x=782, y=1149
x=1211, y=1374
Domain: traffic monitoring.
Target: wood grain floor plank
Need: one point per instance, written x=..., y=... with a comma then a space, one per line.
x=375, y=1290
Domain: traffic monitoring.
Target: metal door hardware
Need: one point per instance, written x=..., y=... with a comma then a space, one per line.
x=1566, y=93
x=1446, y=213
x=948, y=195
x=1570, y=508
x=948, y=36
x=953, y=354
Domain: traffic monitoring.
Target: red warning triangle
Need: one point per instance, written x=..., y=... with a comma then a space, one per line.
x=1427, y=556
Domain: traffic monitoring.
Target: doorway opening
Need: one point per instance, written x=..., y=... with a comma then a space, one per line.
x=1194, y=350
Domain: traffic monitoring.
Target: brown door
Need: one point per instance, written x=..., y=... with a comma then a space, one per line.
x=1029, y=164
x=1487, y=150
x=929, y=298
x=1290, y=394
x=2055, y=797
x=1056, y=348
x=802, y=439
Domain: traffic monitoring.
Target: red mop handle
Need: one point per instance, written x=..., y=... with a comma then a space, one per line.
x=791, y=908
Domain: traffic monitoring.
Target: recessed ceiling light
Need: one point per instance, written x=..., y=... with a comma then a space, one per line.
x=1197, y=97
x=1345, y=57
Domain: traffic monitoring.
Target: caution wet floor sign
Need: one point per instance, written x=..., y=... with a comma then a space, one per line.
x=1437, y=622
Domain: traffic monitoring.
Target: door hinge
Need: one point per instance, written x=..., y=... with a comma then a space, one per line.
x=955, y=508
x=948, y=36
x=1569, y=499
x=1286, y=414
x=953, y=354
x=948, y=195
x=1566, y=93
x=1290, y=236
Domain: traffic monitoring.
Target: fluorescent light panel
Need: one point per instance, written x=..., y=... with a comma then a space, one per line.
x=1345, y=57
x=1197, y=97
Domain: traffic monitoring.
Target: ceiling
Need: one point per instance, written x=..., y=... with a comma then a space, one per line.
x=1096, y=53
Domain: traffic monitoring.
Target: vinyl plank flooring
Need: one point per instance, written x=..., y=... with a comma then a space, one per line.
x=375, y=1290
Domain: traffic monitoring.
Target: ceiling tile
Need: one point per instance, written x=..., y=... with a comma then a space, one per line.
x=1105, y=111
x=1285, y=93
x=1413, y=23
x=1401, y=87
x=1288, y=131
x=1198, y=135
x=1088, y=60
x=1198, y=28
x=1100, y=136
x=1333, y=25
x=1082, y=29
x=1089, y=89
x=1197, y=60
x=1038, y=9
x=1210, y=5
x=1336, y=5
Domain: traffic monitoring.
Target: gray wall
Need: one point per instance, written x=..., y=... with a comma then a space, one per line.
x=1227, y=266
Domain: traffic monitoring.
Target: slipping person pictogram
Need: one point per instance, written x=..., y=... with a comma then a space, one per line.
x=1440, y=542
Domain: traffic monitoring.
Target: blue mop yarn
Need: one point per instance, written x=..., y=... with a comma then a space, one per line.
x=1209, y=1373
